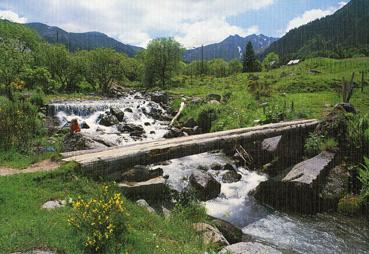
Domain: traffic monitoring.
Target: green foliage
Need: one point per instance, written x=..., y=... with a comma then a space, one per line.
x=317, y=143
x=14, y=58
x=260, y=88
x=350, y=205
x=235, y=66
x=100, y=220
x=364, y=179
x=358, y=132
x=19, y=124
x=162, y=59
x=218, y=68
x=271, y=61
x=313, y=144
x=250, y=63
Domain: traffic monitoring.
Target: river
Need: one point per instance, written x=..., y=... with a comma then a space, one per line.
x=322, y=233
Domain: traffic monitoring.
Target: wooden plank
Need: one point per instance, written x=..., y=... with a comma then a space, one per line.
x=109, y=161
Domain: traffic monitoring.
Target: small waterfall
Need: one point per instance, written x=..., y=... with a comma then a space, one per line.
x=137, y=111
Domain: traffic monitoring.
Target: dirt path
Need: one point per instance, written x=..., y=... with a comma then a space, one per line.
x=46, y=165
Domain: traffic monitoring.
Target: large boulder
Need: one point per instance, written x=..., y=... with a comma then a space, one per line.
x=119, y=114
x=132, y=129
x=140, y=173
x=153, y=189
x=211, y=235
x=160, y=97
x=78, y=141
x=336, y=187
x=108, y=119
x=205, y=185
x=299, y=189
x=231, y=176
x=232, y=233
x=249, y=248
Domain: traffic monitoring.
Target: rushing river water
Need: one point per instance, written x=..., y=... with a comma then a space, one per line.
x=290, y=233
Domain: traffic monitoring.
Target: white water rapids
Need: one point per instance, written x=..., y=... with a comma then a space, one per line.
x=291, y=233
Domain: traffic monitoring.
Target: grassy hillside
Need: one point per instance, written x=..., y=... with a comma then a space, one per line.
x=24, y=225
x=313, y=87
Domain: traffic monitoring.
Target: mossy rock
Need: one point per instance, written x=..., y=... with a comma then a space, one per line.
x=350, y=205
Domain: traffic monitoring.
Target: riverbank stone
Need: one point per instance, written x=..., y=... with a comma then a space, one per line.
x=140, y=173
x=232, y=233
x=249, y=248
x=153, y=189
x=211, y=235
x=205, y=185
x=119, y=114
x=298, y=190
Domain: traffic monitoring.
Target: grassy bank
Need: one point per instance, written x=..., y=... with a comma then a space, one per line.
x=307, y=90
x=24, y=225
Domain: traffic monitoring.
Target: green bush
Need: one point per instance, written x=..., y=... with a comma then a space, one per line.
x=313, y=144
x=206, y=117
x=19, y=124
x=316, y=143
x=100, y=220
x=364, y=179
x=350, y=205
x=358, y=133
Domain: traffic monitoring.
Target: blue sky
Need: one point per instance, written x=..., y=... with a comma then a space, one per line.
x=191, y=22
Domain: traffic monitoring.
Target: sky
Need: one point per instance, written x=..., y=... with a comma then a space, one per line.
x=191, y=22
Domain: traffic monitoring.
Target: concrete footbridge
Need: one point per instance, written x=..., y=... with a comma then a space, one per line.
x=106, y=161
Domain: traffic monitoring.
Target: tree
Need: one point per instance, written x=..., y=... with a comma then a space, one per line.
x=162, y=58
x=235, y=66
x=14, y=58
x=249, y=59
x=219, y=68
x=104, y=67
x=271, y=61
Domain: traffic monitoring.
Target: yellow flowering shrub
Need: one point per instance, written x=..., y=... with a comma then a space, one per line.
x=101, y=220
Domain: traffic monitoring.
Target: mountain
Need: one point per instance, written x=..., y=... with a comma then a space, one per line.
x=83, y=41
x=231, y=48
x=342, y=34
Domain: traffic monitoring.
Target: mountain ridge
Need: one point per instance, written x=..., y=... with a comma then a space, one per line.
x=81, y=41
x=230, y=48
x=330, y=36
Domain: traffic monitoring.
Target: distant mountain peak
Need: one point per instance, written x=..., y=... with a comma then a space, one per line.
x=230, y=48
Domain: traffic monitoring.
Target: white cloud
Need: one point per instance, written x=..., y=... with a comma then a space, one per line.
x=210, y=31
x=136, y=22
x=311, y=15
x=12, y=16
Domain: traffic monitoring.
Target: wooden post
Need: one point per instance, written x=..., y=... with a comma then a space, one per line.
x=362, y=81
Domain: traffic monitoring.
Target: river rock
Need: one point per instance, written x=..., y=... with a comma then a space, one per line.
x=143, y=203
x=53, y=204
x=140, y=173
x=128, y=110
x=160, y=97
x=335, y=188
x=132, y=129
x=249, y=248
x=216, y=166
x=119, y=114
x=214, y=97
x=299, y=189
x=153, y=189
x=231, y=176
x=84, y=125
x=108, y=119
x=173, y=133
x=78, y=141
x=210, y=234
x=232, y=233
x=205, y=185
